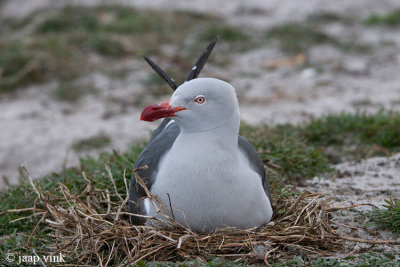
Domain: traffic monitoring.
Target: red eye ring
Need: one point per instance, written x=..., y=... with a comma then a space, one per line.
x=200, y=99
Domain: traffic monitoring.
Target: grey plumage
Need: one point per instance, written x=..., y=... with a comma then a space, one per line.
x=164, y=137
x=160, y=142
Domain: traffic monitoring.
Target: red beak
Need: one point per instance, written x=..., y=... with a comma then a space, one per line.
x=158, y=111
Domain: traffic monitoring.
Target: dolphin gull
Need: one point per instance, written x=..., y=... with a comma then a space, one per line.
x=197, y=163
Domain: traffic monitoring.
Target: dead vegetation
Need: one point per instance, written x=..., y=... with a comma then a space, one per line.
x=92, y=228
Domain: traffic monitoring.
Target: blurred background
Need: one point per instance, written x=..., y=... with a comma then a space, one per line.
x=73, y=82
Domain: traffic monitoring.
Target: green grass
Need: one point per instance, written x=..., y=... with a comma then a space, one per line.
x=108, y=19
x=14, y=234
x=70, y=19
x=363, y=260
x=61, y=44
x=304, y=151
x=233, y=37
x=391, y=18
x=214, y=262
x=156, y=86
x=19, y=66
x=287, y=152
x=227, y=33
x=328, y=17
x=299, y=37
x=95, y=142
x=355, y=136
x=22, y=196
x=108, y=47
x=290, y=153
x=387, y=217
x=296, y=37
x=72, y=91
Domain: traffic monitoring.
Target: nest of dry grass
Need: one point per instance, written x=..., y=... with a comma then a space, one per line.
x=92, y=228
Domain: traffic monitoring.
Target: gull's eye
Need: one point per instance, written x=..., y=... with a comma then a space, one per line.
x=200, y=99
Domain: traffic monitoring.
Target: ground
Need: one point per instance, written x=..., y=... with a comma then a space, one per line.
x=342, y=58
x=369, y=182
x=273, y=86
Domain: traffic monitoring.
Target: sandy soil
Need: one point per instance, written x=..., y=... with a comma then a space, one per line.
x=369, y=182
x=38, y=132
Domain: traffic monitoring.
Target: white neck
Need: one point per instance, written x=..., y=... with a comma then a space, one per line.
x=222, y=138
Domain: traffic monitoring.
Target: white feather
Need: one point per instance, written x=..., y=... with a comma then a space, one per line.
x=208, y=179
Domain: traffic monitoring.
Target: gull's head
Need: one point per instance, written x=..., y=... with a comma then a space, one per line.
x=199, y=105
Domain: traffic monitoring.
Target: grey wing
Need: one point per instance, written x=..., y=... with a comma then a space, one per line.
x=256, y=162
x=161, y=141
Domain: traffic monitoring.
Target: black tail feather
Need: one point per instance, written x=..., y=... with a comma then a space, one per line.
x=198, y=66
x=171, y=82
x=194, y=73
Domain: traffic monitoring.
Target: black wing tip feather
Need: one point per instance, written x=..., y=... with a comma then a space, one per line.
x=171, y=82
x=194, y=72
x=201, y=61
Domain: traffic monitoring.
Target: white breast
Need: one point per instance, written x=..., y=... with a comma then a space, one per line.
x=210, y=188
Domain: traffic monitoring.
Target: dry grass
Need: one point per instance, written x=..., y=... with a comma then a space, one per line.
x=92, y=228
